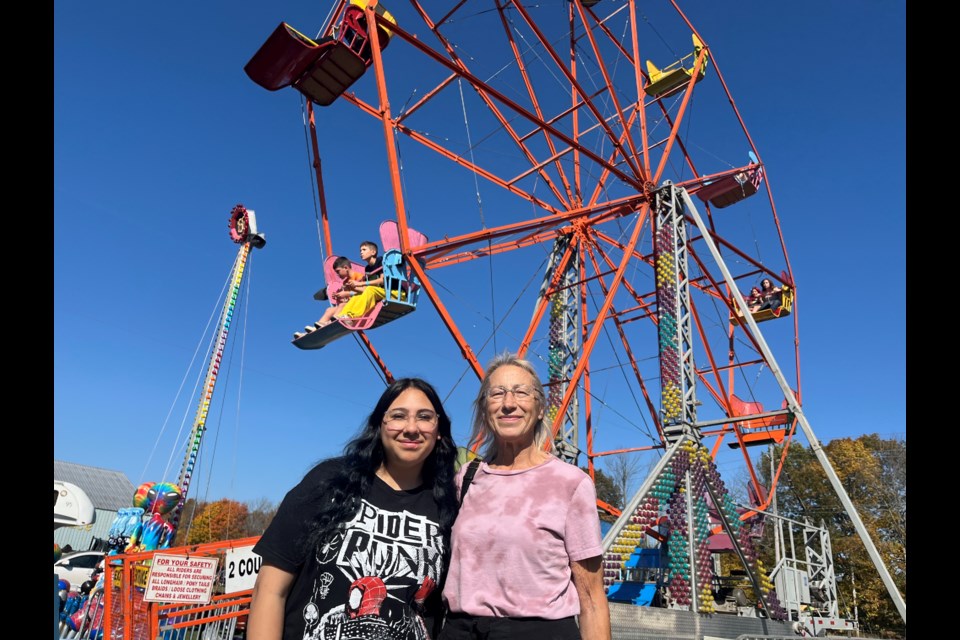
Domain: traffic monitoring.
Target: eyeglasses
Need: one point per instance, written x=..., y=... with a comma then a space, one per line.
x=398, y=420
x=521, y=393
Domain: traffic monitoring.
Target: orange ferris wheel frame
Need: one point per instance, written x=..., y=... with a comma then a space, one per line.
x=581, y=214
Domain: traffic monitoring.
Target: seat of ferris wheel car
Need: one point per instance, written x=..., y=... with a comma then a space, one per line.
x=757, y=431
x=322, y=336
x=320, y=70
x=735, y=187
x=401, y=285
x=399, y=280
x=762, y=315
x=787, y=295
x=719, y=540
x=675, y=75
x=378, y=316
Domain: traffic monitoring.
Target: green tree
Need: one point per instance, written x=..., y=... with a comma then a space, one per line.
x=608, y=491
x=872, y=470
x=224, y=519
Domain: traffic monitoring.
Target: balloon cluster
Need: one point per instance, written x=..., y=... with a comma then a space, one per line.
x=63, y=590
x=81, y=610
x=143, y=526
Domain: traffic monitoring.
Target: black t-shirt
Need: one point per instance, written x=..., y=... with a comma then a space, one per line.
x=375, y=270
x=377, y=580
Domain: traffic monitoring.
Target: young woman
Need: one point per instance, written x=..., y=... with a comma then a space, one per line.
x=754, y=300
x=358, y=549
x=772, y=296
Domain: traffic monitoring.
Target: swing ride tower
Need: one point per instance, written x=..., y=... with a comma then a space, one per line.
x=243, y=231
x=589, y=136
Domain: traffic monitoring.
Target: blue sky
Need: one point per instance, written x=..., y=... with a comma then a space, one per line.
x=159, y=133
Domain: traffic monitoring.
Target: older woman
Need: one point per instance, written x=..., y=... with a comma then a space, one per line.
x=526, y=546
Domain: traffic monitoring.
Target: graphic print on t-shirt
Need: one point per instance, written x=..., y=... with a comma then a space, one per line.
x=390, y=561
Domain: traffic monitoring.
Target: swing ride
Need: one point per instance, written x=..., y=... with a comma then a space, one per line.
x=589, y=135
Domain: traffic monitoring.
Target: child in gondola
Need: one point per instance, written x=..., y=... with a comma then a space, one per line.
x=340, y=296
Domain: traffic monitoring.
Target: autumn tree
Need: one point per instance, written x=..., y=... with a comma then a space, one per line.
x=190, y=510
x=872, y=471
x=224, y=519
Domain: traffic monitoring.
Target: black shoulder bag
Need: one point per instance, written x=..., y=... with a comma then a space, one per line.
x=468, y=477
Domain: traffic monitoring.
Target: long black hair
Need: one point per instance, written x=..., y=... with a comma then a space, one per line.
x=337, y=501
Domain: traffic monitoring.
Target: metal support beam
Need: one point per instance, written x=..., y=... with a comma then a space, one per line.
x=564, y=346
x=794, y=406
x=677, y=371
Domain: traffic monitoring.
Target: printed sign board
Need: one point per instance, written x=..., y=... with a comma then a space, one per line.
x=181, y=579
x=243, y=565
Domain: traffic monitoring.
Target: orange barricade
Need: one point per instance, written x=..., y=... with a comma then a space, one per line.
x=130, y=617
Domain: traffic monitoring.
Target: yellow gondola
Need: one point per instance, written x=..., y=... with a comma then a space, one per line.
x=663, y=81
x=786, y=307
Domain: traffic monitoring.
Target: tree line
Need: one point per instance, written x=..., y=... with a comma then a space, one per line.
x=223, y=519
x=873, y=471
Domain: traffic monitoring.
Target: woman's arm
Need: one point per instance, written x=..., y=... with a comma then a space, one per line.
x=594, y=611
x=267, y=604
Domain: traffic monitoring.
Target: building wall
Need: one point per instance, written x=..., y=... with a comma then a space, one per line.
x=109, y=491
x=84, y=538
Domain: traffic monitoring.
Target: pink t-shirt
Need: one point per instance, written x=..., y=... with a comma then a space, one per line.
x=515, y=537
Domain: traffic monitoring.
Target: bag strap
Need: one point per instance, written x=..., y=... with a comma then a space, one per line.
x=468, y=477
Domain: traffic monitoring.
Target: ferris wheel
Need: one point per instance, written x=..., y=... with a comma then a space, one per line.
x=584, y=190
x=545, y=134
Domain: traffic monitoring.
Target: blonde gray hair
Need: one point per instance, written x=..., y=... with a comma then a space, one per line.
x=482, y=433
